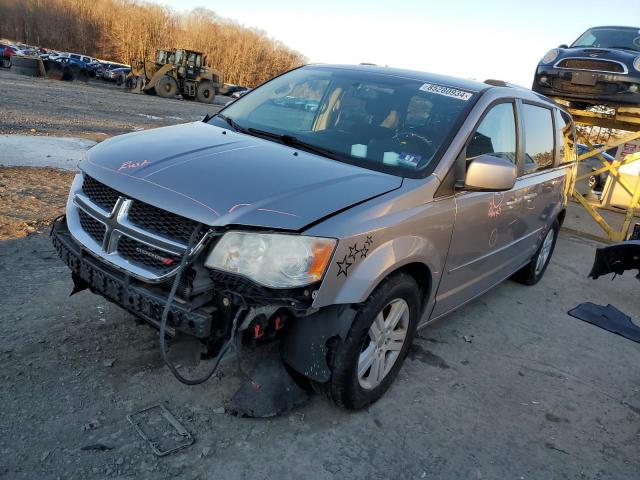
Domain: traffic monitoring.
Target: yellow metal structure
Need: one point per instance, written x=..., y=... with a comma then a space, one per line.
x=611, y=118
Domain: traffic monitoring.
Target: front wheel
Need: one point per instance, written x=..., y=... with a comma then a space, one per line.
x=366, y=363
x=531, y=273
x=166, y=87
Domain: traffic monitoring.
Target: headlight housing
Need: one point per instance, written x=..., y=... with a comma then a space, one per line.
x=551, y=55
x=636, y=64
x=272, y=259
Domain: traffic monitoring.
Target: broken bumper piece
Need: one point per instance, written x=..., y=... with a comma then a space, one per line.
x=129, y=293
x=616, y=259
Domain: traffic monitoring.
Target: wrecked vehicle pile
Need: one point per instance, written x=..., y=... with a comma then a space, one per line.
x=338, y=223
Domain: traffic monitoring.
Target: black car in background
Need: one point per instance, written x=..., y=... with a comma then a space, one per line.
x=591, y=164
x=601, y=67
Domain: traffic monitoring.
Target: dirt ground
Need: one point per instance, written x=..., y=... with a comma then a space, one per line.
x=27, y=203
x=508, y=387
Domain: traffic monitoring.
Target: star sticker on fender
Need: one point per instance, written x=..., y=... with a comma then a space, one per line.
x=353, y=252
x=343, y=266
x=369, y=240
x=364, y=252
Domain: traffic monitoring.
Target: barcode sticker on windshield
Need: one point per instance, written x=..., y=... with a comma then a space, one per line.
x=446, y=91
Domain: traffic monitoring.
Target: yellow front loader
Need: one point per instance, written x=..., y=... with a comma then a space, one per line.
x=176, y=72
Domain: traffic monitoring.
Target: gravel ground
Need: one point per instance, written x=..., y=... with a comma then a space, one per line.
x=94, y=110
x=534, y=394
x=508, y=387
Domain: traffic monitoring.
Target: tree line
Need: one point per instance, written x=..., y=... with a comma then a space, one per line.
x=125, y=30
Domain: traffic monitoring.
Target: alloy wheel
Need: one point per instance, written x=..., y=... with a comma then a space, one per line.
x=545, y=251
x=383, y=344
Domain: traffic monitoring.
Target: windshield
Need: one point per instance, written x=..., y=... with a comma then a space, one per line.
x=604, y=37
x=376, y=121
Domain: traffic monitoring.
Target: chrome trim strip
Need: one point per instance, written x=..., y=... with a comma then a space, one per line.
x=625, y=70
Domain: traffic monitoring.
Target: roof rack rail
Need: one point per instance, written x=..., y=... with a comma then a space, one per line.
x=496, y=83
x=500, y=83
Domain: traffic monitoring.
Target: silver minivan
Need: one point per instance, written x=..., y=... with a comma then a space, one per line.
x=335, y=209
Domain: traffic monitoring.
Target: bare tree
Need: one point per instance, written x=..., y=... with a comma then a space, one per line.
x=124, y=30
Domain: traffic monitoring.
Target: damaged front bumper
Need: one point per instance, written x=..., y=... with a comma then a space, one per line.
x=131, y=294
x=305, y=336
x=606, y=88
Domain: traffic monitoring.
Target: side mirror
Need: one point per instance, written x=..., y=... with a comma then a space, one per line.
x=564, y=45
x=490, y=174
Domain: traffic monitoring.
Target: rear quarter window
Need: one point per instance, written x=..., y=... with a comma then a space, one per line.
x=565, y=138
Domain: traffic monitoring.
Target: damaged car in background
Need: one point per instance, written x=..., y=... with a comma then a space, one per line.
x=601, y=67
x=335, y=208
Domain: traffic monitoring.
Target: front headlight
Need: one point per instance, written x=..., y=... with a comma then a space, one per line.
x=551, y=55
x=636, y=64
x=271, y=259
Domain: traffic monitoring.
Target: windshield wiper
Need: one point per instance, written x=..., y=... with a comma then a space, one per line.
x=294, y=142
x=284, y=139
x=232, y=123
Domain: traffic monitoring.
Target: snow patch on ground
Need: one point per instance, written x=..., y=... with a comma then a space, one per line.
x=32, y=151
x=150, y=117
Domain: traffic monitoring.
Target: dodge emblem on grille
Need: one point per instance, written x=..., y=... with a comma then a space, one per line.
x=155, y=256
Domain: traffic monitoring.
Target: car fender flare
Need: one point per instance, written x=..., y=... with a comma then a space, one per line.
x=366, y=274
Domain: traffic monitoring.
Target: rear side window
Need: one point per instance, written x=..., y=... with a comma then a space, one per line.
x=565, y=135
x=538, y=135
x=496, y=135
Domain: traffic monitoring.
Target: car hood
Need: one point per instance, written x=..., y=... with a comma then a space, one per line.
x=219, y=177
x=625, y=56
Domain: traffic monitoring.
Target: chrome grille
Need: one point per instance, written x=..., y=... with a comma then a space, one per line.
x=93, y=227
x=99, y=193
x=161, y=222
x=591, y=64
x=147, y=242
x=147, y=256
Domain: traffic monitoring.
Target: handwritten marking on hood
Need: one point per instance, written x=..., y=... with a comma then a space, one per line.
x=129, y=164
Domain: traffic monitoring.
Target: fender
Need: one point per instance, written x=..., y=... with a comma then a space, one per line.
x=365, y=274
x=158, y=75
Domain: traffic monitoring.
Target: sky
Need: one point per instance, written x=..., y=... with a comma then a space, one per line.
x=477, y=39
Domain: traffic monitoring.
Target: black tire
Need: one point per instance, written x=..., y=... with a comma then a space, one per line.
x=206, y=93
x=120, y=79
x=82, y=75
x=344, y=388
x=131, y=82
x=530, y=274
x=67, y=73
x=166, y=87
x=580, y=105
x=5, y=62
